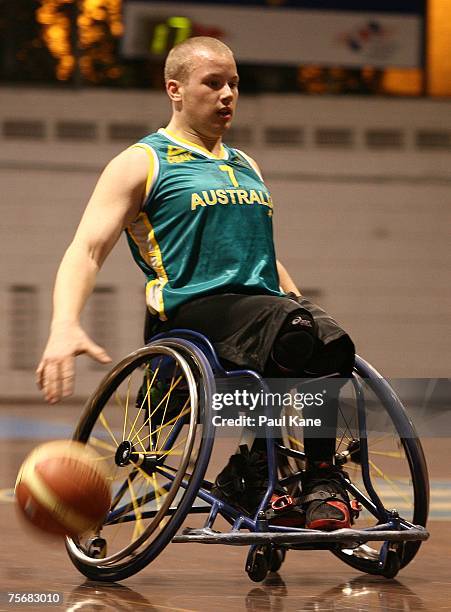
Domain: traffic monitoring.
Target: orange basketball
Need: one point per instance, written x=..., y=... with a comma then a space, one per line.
x=62, y=488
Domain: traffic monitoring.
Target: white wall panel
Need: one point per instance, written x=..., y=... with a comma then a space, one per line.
x=368, y=230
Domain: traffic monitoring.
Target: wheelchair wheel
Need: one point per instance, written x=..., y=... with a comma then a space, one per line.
x=149, y=421
x=397, y=464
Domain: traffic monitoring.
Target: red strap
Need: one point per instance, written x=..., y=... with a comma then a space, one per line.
x=282, y=502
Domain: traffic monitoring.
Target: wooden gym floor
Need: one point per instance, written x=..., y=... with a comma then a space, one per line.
x=210, y=578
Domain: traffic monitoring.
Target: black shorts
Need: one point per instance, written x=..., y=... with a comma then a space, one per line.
x=243, y=328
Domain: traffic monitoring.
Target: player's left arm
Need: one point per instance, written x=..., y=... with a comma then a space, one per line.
x=286, y=283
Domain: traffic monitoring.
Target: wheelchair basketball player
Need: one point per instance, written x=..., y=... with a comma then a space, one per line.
x=198, y=219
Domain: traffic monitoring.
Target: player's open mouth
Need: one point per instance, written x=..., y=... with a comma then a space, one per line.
x=225, y=112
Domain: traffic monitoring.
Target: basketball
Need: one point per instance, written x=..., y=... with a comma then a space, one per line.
x=62, y=488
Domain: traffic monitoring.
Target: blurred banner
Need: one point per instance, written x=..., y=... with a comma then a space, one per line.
x=345, y=33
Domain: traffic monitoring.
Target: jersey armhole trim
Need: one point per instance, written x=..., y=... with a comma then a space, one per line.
x=251, y=162
x=154, y=167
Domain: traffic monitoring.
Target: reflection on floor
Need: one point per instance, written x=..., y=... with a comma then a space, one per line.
x=210, y=578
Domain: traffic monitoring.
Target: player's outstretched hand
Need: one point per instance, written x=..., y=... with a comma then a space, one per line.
x=55, y=372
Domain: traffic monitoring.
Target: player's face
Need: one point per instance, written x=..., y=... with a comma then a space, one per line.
x=210, y=94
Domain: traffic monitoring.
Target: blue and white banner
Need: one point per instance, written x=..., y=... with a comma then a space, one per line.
x=279, y=35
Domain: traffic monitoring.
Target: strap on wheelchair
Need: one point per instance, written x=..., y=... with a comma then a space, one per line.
x=322, y=496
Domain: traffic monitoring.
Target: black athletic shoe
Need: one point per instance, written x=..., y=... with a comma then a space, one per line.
x=325, y=499
x=243, y=481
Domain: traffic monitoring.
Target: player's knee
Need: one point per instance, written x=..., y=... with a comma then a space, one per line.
x=336, y=357
x=295, y=342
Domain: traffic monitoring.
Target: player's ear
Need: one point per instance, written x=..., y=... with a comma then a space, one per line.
x=173, y=90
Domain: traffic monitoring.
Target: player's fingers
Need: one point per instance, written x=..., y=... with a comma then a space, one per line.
x=52, y=382
x=98, y=353
x=39, y=374
x=67, y=376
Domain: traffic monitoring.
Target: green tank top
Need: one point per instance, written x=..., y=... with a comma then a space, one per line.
x=205, y=226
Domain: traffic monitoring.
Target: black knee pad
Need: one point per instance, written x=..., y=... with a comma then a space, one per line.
x=337, y=356
x=295, y=341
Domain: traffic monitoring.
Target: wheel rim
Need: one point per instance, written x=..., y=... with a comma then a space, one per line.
x=392, y=462
x=147, y=458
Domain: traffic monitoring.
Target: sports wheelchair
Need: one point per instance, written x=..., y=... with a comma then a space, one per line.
x=151, y=422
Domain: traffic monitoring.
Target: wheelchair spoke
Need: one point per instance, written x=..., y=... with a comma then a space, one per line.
x=391, y=454
x=182, y=413
x=138, y=529
x=388, y=480
x=101, y=444
x=104, y=457
x=122, y=490
x=126, y=406
x=125, y=410
x=296, y=442
x=167, y=398
x=107, y=427
x=170, y=451
x=170, y=422
x=144, y=420
x=145, y=399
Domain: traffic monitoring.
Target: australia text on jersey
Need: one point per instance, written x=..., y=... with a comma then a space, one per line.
x=230, y=196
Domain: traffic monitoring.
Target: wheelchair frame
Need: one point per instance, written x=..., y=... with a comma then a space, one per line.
x=269, y=543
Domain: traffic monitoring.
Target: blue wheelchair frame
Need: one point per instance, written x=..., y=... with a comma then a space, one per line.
x=391, y=529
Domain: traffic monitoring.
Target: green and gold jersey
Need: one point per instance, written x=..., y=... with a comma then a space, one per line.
x=205, y=226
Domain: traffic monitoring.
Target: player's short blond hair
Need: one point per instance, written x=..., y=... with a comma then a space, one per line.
x=179, y=60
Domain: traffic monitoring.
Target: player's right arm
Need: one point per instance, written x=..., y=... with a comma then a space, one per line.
x=114, y=204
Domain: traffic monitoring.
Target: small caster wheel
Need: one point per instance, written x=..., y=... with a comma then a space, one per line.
x=277, y=558
x=392, y=565
x=96, y=548
x=257, y=565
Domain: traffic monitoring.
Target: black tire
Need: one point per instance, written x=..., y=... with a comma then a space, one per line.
x=257, y=566
x=414, y=455
x=277, y=558
x=169, y=503
x=405, y=441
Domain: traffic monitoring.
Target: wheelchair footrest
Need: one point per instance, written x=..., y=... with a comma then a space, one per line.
x=300, y=536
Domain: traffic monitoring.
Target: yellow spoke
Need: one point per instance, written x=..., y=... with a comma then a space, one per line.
x=127, y=399
x=149, y=479
x=167, y=473
x=149, y=412
x=142, y=404
x=138, y=524
x=157, y=492
x=103, y=457
x=125, y=409
x=158, y=452
x=378, y=440
x=172, y=385
x=147, y=421
x=174, y=424
x=392, y=454
x=116, y=475
x=171, y=450
x=107, y=427
x=169, y=422
x=295, y=441
x=393, y=484
x=101, y=444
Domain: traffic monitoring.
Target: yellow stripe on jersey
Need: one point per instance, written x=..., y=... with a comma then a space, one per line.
x=193, y=146
x=251, y=162
x=143, y=235
x=153, y=167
